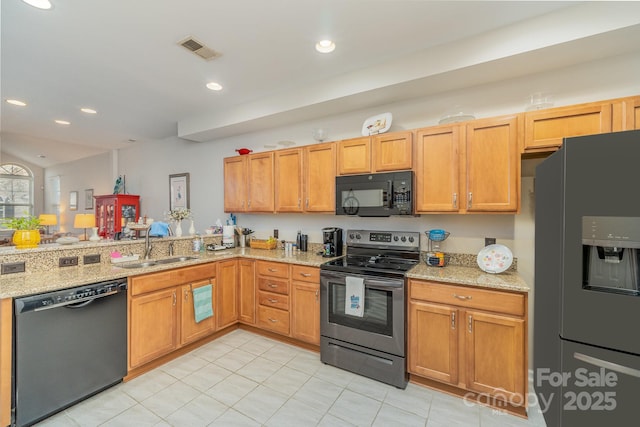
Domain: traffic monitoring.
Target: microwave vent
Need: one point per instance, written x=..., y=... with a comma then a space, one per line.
x=199, y=49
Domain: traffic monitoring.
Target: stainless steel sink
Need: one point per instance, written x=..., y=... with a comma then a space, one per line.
x=175, y=259
x=138, y=264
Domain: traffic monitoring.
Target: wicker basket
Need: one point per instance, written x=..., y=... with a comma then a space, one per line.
x=262, y=244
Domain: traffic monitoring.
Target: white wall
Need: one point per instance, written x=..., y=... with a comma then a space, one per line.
x=90, y=173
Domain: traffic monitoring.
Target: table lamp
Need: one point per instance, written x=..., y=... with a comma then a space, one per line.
x=48, y=219
x=84, y=221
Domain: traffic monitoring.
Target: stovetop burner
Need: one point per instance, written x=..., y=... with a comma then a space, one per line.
x=378, y=253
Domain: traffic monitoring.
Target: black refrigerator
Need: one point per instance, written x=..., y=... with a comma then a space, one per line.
x=587, y=293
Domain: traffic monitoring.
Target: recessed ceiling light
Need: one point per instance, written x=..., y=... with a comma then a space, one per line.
x=40, y=4
x=325, y=46
x=63, y=122
x=88, y=110
x=16, y=102
x=214, y=86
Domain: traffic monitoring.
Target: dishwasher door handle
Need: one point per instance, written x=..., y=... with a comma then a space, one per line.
x=77, y=303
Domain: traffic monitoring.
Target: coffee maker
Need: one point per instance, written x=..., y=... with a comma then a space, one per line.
x=332, y=242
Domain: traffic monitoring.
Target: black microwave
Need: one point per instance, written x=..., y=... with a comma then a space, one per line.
x=375, y=194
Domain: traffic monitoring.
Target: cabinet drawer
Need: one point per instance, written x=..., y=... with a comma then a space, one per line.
x=273, y=319
x=269, y=299
x=482, y=299
x=195, y=273
x=275, y=269
x=278, y=286
x=151, y=282
x=305, y=273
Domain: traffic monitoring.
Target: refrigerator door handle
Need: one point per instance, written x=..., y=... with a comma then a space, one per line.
x=607, y=365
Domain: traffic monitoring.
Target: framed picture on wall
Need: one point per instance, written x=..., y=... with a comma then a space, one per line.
x=73, y=201
x=88, y=199
x=179, y=191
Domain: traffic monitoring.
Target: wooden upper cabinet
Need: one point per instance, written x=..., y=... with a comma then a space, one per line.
x=438, y=168
x=492, y=165
x=544, y=130
x=235, y=184
x=320, y=177
x=354, y=156
x=392, y=151
x=288, y=180
x=626, y=114
x=260, y=181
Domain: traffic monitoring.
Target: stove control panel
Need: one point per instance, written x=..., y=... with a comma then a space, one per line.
x=383, y=238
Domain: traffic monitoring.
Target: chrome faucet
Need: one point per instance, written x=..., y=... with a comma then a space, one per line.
x=147, y=245
x=170, y=248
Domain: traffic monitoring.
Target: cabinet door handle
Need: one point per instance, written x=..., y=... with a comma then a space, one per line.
x=186, y=295
x=272, y=300
x=307, y=202
x=305, y=274
x=249, y=203
x=273, y=320
x=470, y=200
x=453, y=320
x=175, y=298
x=470, y=323
x=462, y=297
x=316, y=296
x=455, y=200
x=299, y=202
x=272, y=270
x=271, y=285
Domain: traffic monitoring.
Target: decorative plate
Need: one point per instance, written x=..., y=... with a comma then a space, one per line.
x=495, y=258
x=377, y=124
x=67, y=240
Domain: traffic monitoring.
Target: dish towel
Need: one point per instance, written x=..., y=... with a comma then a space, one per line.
x=354, y=301
x=202, y=302
x=159, y=229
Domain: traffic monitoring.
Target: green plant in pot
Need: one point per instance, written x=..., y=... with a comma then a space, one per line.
x=27, y=231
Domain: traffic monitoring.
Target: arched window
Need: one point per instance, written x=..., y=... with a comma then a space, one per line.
x=16, y=191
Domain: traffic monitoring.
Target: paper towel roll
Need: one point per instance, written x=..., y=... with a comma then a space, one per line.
x=228, y=236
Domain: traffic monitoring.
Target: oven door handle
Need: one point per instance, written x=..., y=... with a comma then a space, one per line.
x=368, y=281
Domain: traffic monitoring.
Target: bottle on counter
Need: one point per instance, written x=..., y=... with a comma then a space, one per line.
x=197, y=244
x=298, y=239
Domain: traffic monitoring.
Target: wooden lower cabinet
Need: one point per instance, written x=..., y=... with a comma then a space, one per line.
x=161, y=314
x=273, y=296
x=305, y=303
x=153, y=322
x=227, y=293
x=305, y=312
x=190, y=330
x=247, y=291
x=461, y=336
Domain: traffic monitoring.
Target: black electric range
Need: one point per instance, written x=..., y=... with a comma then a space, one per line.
x=378, y=253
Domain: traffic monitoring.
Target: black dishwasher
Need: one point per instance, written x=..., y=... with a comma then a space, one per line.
x=68, y=345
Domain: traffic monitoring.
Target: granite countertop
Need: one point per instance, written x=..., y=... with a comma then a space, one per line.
x=12, y=286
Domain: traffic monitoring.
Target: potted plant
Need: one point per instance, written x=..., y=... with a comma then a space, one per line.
x=27, y=231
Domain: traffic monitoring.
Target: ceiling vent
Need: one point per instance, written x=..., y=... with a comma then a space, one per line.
x=199, y=49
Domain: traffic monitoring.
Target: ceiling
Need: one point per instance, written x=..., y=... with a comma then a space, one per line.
x=122, y=59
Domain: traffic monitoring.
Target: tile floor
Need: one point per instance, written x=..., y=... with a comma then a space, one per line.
x=244, y=379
